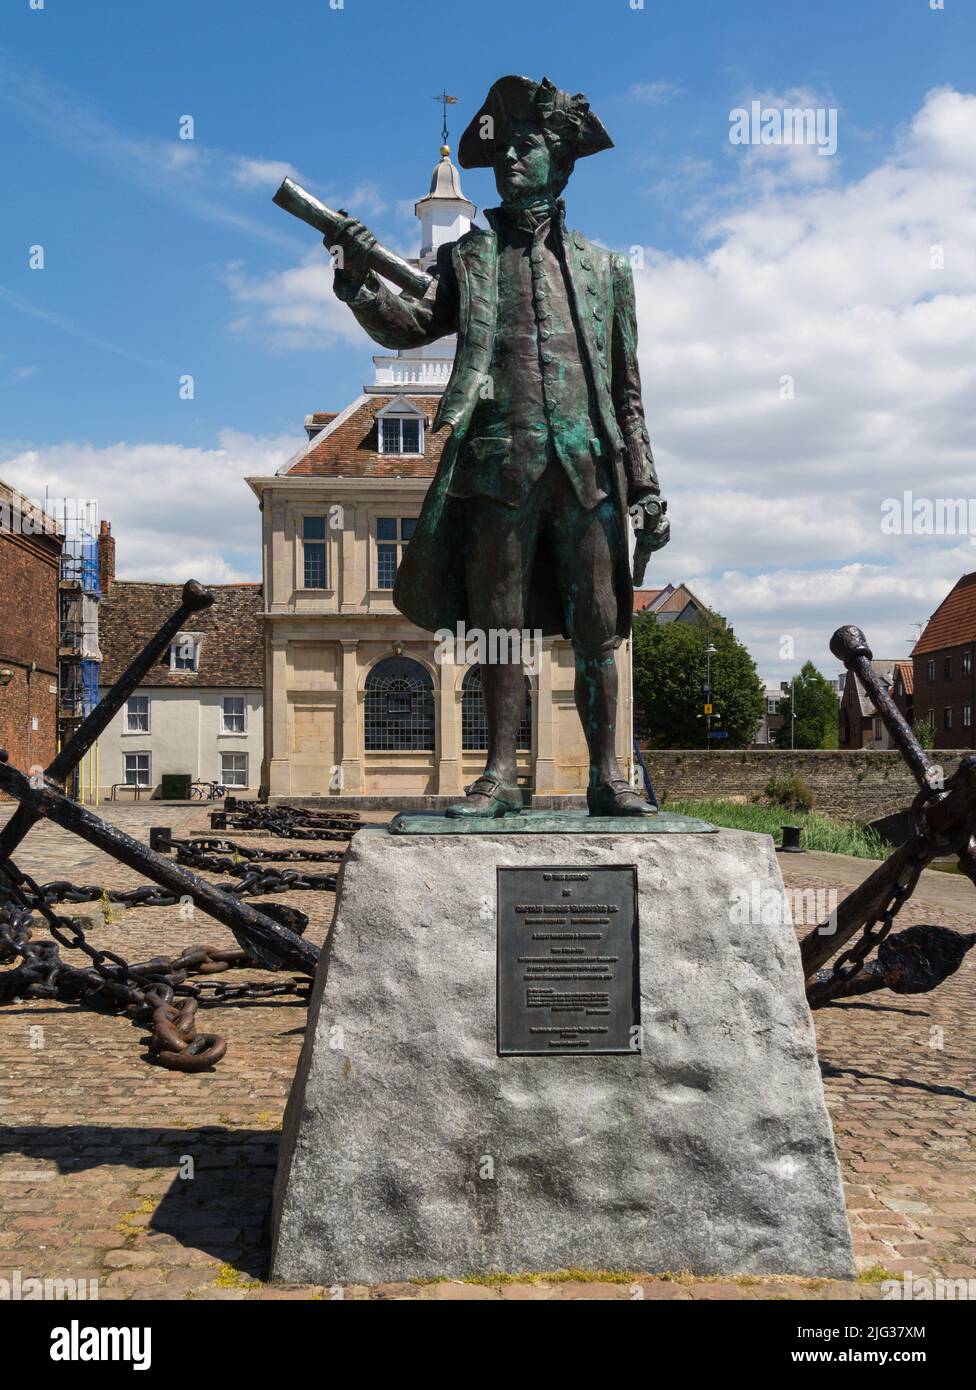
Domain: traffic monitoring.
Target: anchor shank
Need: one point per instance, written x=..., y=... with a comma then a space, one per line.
x=244, y=921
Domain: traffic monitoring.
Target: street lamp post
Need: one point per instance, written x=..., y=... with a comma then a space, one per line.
x=792, y=712
x=710, y=651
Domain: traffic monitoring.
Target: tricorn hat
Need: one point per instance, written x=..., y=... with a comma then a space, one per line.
x=520, y=98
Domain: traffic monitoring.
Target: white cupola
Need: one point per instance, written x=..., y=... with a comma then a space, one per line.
x=445, y=213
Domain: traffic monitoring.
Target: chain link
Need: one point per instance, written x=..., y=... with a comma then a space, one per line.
x=849, y=962
x=148, y=991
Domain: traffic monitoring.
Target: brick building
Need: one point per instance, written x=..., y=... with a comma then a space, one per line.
x=859, y=725
x=944, y=659
x=30, y=552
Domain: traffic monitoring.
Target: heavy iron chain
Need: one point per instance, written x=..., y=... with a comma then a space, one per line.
x=255, y=880
x=294, y=823
x=147, y=991
x=201, y=844
x=849, y=962
x=156, y=992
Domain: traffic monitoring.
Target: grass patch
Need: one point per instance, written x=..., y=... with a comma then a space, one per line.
x=230, y=1278
x=875, y=1274
x=145, y=1208
x=817, y=831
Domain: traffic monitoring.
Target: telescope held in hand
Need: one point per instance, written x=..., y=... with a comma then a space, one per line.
x=294, y=199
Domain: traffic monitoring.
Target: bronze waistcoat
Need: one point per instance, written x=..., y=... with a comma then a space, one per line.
x=538, y=404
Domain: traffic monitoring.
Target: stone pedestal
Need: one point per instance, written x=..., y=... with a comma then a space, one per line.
x=411, y=1148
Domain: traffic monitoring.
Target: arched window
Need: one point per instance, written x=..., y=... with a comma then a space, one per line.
x=399, y=706
x=474, y=730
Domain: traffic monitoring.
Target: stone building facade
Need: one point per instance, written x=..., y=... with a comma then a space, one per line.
x=359, y=701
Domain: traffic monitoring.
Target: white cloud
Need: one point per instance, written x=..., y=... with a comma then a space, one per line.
x=776, y=503
x=177, y=512
x=295, y=308
x=262, y=173
x=654, y=93
x=793, y=161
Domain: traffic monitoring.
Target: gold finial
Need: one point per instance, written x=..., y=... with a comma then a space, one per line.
x=445, y=151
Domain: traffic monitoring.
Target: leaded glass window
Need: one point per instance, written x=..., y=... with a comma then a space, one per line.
x=313, y=547
x=400, y=434
x=474, y=729
x=392, y=535
x=399, y=713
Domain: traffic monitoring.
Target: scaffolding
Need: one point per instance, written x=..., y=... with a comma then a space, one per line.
x=79, y=654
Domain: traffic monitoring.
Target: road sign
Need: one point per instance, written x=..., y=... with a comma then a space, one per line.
x=718, y=733
x=708, y=709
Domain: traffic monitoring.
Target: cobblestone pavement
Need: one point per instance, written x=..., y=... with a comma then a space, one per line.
x=95, y=1143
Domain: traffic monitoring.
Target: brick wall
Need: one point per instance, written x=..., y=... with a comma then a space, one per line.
x=29, y=634
x=935, y=692
x=858, y=785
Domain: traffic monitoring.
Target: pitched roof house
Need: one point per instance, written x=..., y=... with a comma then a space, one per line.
x=673, y=603
x=944, y=659
x=199, y=710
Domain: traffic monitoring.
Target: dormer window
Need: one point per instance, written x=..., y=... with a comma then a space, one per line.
x=400, y=428
x=401, y=434
x=184, y=653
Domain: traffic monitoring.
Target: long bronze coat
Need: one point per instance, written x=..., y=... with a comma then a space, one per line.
x=430, y=585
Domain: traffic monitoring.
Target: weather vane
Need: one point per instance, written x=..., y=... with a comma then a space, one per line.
x=445, y=102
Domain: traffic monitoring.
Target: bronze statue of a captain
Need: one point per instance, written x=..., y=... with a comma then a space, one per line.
x=525, y=524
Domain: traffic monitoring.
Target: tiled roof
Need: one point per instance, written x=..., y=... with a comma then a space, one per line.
x=231, y=648
x=885, y=667
x=318, y=421
x=679, y=600
x=673, y=598
x=954, y=621
x=645, y=598
x=907, y=673
x=348, y=449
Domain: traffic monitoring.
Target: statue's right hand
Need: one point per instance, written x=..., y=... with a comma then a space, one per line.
x=349, y=247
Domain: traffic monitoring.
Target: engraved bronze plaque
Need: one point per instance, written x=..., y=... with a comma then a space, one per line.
x=568, y=964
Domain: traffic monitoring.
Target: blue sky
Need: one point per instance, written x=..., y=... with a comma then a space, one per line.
x=165, y=257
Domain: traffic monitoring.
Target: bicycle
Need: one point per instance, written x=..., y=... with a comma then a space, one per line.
x=207, y=791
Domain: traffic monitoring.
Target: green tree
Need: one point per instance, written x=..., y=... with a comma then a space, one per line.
x=669, y=678
x=816, y=711
x=922, y=730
